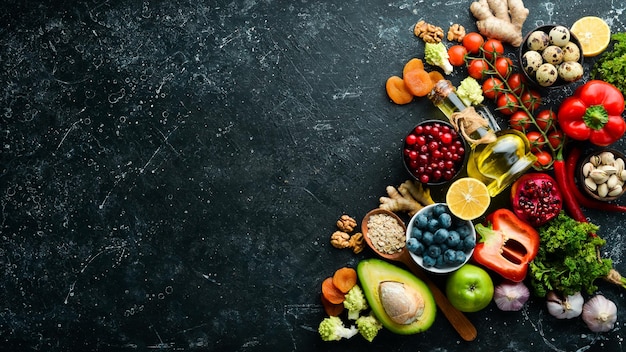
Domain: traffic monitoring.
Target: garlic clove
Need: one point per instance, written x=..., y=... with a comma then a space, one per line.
x=564, y=307
x=599, y=313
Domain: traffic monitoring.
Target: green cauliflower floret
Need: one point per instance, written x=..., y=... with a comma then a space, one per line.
x=368, y=326
x=470, y=91
x=355, y=302
x=437, y=55
x=332, y=329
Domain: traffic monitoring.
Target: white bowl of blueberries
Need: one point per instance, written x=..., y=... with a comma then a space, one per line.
x=438, y=241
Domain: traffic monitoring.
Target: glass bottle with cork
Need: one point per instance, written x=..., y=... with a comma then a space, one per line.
x=497, y=157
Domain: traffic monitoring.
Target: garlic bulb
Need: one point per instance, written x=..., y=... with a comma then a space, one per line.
x=600, y=314
x=565, y=307
x=511, y=296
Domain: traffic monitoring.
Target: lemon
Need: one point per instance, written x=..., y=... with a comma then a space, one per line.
x=468, y=198
x=593, y=33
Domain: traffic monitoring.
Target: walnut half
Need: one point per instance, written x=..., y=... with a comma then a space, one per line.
x=428, y=32
x=456, y=32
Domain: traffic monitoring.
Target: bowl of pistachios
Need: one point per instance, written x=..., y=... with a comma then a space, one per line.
x=602, y=174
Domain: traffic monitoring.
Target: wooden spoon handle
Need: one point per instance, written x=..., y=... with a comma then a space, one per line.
x=459, y=321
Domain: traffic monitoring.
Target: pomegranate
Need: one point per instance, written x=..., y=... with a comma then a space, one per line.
x=536, y=198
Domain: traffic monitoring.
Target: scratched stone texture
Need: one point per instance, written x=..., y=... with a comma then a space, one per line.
x=171, y=171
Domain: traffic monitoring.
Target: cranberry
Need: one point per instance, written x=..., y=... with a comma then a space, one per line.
x=446, y=138
x=411, y=139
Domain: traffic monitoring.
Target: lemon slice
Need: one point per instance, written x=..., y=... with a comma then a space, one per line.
x=593, y=33
x=468, y=198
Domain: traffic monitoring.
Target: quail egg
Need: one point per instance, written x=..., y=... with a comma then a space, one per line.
x=571, y=52
x=570, y=71
x=538, y=40
x=546, y=75
x=559, y=35
x=552, y=55
x=531, y=62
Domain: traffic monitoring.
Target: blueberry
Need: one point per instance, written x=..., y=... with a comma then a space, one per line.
x=469, y=243
x=445, y=220
x=421, y=221
x=443, y=247
x=415, y=246
x=416, y=233
x=439, y=209
x=463, y=230
x=428, y=261
x=440, y=236
x=427, y=238
x=433, y=225
x=433, y=251
x=440, y=263
x=449, y=256
x=453, y=239
x=459, y=258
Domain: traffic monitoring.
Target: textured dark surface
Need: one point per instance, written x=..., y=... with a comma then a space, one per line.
x=171, y=171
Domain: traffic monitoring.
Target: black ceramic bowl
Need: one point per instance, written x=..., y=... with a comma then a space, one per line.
x=561, y=70
x=434, y=153
x=601, y=174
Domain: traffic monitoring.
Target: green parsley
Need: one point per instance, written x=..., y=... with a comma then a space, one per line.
x=611, y=67
x=568, y=260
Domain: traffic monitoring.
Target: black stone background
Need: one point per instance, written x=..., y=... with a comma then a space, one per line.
x=171, y=171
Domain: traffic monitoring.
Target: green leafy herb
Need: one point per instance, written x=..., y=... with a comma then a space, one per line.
x=611, y=67
x=568, y=260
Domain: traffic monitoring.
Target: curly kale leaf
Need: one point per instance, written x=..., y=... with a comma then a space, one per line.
x=611, y=67
x=568, y=260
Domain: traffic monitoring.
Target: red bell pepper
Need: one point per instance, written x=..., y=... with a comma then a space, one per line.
x=506, y=245
x=593, y=113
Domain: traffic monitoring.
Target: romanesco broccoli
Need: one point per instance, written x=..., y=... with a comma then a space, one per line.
x=332, y=329
x=368, y=326
x=437, y=55
x=355, y=302
x=470, y=92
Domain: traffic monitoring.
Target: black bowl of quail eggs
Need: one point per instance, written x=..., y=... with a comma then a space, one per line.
x=551, y=56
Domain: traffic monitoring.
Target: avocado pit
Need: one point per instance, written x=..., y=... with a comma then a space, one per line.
x=402, y=304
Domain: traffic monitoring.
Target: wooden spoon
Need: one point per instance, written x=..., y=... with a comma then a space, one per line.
x=459, y=321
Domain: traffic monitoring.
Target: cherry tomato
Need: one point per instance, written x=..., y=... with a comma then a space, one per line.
x=544, y=159
x=536, y=141
x=492, y=88
x=504, y=66
x=545, y=119
x=457, y=54
x=473, y=41
x=477, y=68
x=516, y=82
x=520, y=121
x=493, y=48
x=555, y=138
x=507, y=103
x=531, y=99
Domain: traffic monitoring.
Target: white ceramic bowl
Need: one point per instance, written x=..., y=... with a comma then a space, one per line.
x=463, y=227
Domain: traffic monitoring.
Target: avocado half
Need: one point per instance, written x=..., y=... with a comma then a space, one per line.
x=374, y=272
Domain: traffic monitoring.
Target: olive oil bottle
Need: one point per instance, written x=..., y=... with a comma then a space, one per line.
x=497, y=157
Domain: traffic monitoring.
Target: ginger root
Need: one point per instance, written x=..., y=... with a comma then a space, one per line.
x=410, y=197
x=500, y=19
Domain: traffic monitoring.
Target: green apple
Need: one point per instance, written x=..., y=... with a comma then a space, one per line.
x=470, y=288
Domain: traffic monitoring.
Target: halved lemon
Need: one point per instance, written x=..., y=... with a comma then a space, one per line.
x=593, y=33
x=468, y=198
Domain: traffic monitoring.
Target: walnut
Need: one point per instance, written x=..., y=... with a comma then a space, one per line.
x=456, y=32
x=340, y=239
x=428, y=32
x=357, y=243
x=346, y=223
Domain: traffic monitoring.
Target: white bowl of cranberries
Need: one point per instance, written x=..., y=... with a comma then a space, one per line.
x=433, y=152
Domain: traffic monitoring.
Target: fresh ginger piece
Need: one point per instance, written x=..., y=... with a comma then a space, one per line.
x=500, y=19
x=397, y=202
x=417, y=191
x=398, y=91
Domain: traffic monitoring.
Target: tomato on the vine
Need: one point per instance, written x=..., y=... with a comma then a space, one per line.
x=473, y=41
x=493, y=47
x=544, y=158
x=507, y=103
x=520, y=121
x=536, y=140
x=504, y=66
x=516, y=82
x=546, y=119
x=456, y=55
x=531, y=99
x=492, y=88
x=478, y=68
x=555, y=138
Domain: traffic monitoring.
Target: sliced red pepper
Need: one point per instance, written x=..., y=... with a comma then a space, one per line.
x=506, y=245
x=593, y=113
